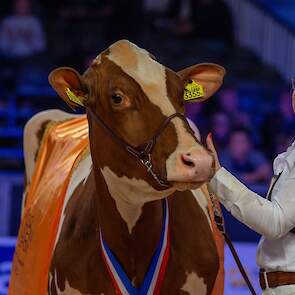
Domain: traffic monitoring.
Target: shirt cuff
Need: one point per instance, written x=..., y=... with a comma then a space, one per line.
x=226, y=186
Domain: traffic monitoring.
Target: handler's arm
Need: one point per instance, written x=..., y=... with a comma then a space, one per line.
x=272, y=219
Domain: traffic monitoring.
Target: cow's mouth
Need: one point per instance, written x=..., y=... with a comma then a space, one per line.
x=183, y=186
x=192, y=183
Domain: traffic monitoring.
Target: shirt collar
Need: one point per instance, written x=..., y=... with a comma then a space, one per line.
x=285, y=161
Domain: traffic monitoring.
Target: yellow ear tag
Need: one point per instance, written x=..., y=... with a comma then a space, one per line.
x=74, y=98
x=193, y=91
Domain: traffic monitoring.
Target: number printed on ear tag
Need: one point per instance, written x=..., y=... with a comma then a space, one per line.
x=193, y=91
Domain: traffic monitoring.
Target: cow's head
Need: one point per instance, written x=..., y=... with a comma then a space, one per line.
x=133, y=94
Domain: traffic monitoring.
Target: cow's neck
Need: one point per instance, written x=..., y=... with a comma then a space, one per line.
x=131, y=230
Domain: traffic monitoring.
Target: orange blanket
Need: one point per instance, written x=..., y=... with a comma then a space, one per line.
x=63, y=143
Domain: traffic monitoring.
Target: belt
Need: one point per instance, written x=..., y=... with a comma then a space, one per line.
x=275, y=279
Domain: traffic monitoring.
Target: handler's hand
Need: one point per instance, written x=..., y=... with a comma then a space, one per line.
x=211, y=147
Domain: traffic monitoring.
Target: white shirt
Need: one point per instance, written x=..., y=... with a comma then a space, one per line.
x=272, y=219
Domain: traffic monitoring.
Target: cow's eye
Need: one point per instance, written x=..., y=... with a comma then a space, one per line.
x=117, y=98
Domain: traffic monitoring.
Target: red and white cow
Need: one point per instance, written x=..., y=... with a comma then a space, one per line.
x=145, y=164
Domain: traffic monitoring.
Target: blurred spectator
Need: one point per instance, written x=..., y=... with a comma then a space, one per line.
x=245, y=162
x=124, y=20
x=5, y=8
x=196, y=16
x=21, y=34
x=212, y=19
x=72, y=10
x=228, y=102
x=279, y=125
x=178, y=17
x=282, y=142
x=220, y=128
x=286, y=114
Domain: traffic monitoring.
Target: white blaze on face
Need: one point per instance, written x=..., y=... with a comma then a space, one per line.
x=194, y=285
x=148, y=73
x=151, y=77
x=130, y=195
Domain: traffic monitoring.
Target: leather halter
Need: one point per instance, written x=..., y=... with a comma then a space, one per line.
x=144, y=151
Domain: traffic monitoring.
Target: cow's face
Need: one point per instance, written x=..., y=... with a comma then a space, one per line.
x=134, y=94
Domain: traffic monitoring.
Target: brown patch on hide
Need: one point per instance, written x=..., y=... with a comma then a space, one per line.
x=193, y=247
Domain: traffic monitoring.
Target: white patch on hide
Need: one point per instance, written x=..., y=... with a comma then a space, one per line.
x=194, y=285
x=130, y=195
x=97, y=60
x=80, y=174
x=50, y=278
x=68, y=289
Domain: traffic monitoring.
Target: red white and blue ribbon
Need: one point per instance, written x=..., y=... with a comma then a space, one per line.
x=155, y=275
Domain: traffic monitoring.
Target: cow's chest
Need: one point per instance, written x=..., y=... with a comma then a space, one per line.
x=78, y=268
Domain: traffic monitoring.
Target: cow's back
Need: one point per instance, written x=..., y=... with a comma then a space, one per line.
x=61, y=146
x=33, y=134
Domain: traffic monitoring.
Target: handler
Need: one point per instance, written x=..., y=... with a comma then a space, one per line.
x=273, y=218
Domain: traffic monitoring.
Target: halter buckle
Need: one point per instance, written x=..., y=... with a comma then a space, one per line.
x=147, y=163
x=149, y=166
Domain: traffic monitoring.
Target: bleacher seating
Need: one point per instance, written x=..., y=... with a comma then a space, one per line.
x=30, y=92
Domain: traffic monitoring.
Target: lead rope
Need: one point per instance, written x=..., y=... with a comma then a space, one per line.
x=218, y=218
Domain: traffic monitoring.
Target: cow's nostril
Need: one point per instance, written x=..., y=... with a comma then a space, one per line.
x=187, y=162
x=188, y=154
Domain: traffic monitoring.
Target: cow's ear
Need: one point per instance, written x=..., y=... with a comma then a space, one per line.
x=204, y=78
x=67, y=82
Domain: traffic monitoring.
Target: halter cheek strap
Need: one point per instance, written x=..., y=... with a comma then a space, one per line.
x=143, y=152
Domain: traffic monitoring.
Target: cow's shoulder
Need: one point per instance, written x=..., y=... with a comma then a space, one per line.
x=77, y=245
x=202, y=201
x=193, y=258
x=33, y=133
x=195, y=203
x=78, y=197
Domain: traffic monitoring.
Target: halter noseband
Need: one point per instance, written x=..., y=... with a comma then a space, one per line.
x=143, y=152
